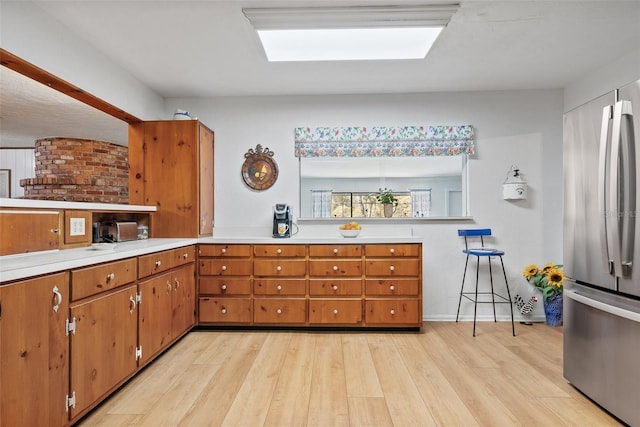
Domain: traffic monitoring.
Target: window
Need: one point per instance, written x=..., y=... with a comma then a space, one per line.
x=365, y=205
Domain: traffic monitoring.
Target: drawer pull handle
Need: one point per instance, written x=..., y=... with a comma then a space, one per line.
x=335, y=250
x=393, y=251
x=158, y=263
x=335, y=311
x=223, y=287
x=335, y=268
x=177, y=283
x=168, y=286
x=391, y=267
x=279, y=311
x=224, y=268
x=223, y=250
x=57, y=300
x=392, y=288
x=132, y=304
x=223, y=310
x=334, y=287
x=279, y=268
x=392, y=312
x=111, y=276
x=279, y=251
x=279, y=287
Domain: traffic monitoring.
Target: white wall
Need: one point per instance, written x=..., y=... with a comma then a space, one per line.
x=522, y=128
x=22, y=164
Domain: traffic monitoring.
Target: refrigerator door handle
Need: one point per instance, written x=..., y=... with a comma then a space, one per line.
x=607, y=113
x=622, y=167
x=599, y=305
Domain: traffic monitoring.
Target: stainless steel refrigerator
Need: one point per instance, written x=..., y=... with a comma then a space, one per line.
x=602, y=251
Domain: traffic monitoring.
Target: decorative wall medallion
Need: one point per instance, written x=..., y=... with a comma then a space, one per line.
x=259, y=170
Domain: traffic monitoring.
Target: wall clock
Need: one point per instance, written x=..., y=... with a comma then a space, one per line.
x=259, y=170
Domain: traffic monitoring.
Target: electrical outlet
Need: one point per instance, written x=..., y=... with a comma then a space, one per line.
x=76, y=227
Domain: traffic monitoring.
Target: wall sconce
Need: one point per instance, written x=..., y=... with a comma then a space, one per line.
x=514, y=188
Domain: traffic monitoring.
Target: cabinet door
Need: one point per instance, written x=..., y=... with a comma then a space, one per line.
x=154, y=315
x=183, y=300
x=206, y=181
x=103, y=348
x=34, y=359
x=29, y=231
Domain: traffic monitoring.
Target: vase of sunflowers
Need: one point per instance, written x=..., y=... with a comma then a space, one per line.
x=550, y=281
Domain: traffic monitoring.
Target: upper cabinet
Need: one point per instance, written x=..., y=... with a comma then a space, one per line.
x=171, y=167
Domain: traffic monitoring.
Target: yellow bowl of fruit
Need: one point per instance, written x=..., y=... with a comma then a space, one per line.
x=350, y=229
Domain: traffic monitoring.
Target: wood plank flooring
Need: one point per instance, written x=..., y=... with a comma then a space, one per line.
x=441, y=376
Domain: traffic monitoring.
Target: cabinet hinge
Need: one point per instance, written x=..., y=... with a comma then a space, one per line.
x=71, y=326
x=70, y=401
x=139, y=297
x=138, y=353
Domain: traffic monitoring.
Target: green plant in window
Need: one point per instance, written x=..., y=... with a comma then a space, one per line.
x=385, y=196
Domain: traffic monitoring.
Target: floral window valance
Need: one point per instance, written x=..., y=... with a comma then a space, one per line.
x=389, y=141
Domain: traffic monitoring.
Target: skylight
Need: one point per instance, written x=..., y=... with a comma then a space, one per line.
x=348, y=44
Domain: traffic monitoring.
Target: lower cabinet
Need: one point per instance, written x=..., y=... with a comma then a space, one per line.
x=34, y=352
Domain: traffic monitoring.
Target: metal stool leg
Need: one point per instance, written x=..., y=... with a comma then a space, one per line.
x=493, y=294
x=464, y=275
x=475, y=302
x=513, y=327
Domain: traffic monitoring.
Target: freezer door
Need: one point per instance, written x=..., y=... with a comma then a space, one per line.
x=629, y=106
x=585, y=247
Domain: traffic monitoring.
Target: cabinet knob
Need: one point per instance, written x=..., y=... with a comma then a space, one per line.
x=393, y=251
x=392, y=288
x=223, y=310
x=223, y=250
x=279, y=311
x=224, y=268
x=334, y=287
x=335, y=311
x=111, y=276
x=335, y=268
x=335, y=250
x=392, y=312
x=279, y=268
x=391, y=267
x=55, y=230
x=158, y=263
x=185, y=255
x=279, y=251
x=279, y=287
x=223, y=287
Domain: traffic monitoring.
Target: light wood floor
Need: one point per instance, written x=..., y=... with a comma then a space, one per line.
x=441, y=376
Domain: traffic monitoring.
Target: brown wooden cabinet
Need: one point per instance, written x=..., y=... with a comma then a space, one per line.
x=171, y=167
x=34, y=351
x=29, y=230
x=224, y=274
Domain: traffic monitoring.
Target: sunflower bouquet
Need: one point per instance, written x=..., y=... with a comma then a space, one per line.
x=549, y=279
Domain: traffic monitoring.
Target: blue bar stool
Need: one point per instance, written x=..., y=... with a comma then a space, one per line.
x=481, y=252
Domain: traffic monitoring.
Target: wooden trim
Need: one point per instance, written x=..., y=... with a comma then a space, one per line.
x=36, y=73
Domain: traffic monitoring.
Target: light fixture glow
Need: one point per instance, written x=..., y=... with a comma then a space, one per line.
x=348, y=44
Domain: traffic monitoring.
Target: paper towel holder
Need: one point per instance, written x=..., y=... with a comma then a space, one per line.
x=514, y=187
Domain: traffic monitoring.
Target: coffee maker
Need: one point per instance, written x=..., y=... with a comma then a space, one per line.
x=282, y=216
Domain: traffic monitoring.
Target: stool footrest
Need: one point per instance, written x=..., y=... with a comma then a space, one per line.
x=505, y=300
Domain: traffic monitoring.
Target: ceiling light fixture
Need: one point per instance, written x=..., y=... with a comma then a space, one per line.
x=349, y=33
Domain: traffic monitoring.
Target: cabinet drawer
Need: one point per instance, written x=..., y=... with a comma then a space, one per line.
x=225, y=250
x=224, y=286
x=279, y=251
x=92, y=280
x=155, y=263
x=393, y=312
x=392, y=267
x=401, y=250
x=182, y=256
x=327, y=287
x=390, y=287
x=335, y=251
x=280, y=287
x=225, y=267
x=279, y=310
x=279, y=267
x=335, y=311
x=224, y=310
x=335, y=267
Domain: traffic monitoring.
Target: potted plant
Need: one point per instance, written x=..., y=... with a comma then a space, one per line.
x=550, y=281
x=388, y=200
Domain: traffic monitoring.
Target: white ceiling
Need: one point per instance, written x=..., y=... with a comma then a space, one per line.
x=208, y=48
